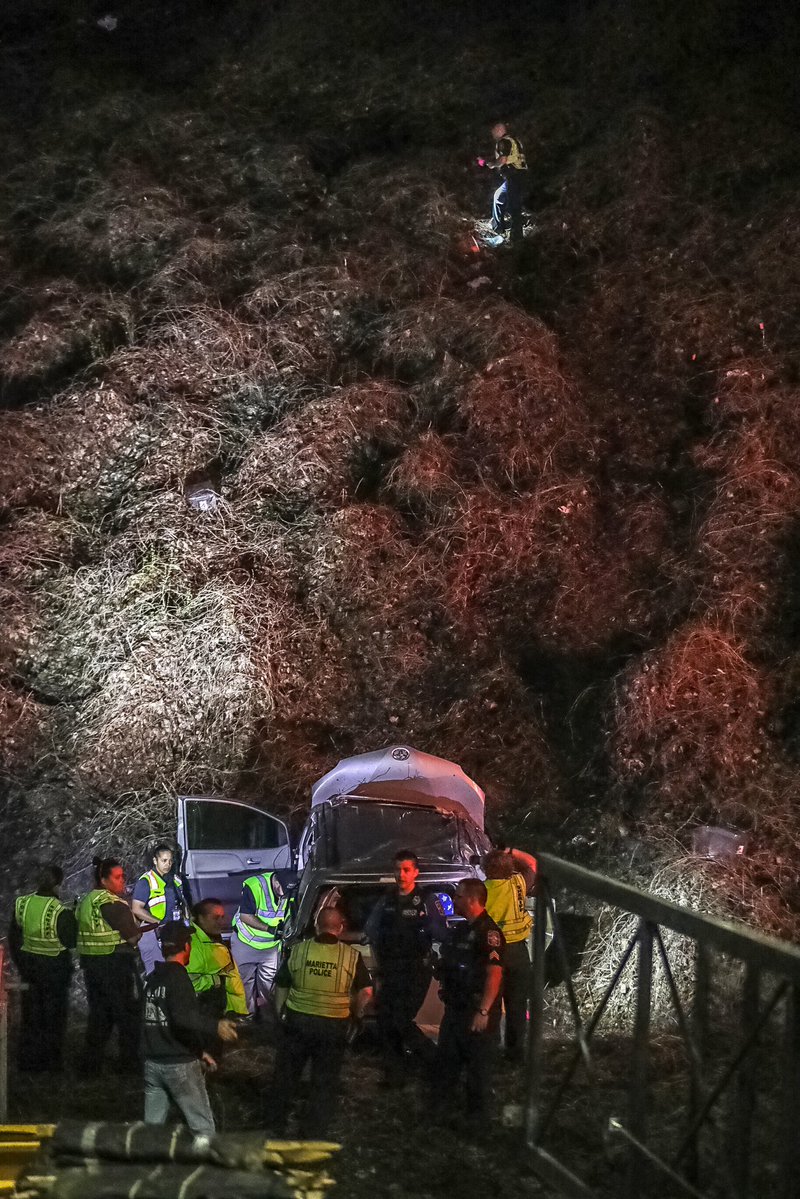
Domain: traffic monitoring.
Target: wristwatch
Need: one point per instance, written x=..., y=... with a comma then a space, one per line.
x=483, y=1011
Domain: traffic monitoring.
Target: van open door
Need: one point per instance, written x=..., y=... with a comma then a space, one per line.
x=222, y=842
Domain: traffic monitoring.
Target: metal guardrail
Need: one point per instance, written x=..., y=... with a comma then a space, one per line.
x=3, y=1035
x=713, y=1153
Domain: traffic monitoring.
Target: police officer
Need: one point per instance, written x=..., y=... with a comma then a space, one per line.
x=510, y=876
x=211, y=967
x=41, y=935
x=471, y=974
x=107, y=940
x=319, y=986
x=401, y=929
x=255, y=944
x=157, y=898
x=510, y=162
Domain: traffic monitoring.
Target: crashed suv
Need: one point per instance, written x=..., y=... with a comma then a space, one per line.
x=362, y=812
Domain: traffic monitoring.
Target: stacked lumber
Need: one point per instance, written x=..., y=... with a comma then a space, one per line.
x=144, y=1161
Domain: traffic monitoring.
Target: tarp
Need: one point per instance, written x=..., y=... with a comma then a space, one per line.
x=432, y=776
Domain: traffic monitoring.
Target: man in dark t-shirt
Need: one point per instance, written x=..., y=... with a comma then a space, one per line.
x=471, y=974
x=401, y=929
x=178, y=1037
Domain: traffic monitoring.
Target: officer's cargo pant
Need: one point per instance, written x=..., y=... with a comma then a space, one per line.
x=400, y=996
x=113, y=1003
x=516, y=989
x=321, y=1042
x=507, y=205
x=45, y=1005
x=459, y=1049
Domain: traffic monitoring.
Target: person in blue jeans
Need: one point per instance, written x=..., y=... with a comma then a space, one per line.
x=178, y=1038
x=511, y=164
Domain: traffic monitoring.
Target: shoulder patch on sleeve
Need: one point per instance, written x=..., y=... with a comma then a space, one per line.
x=493, y=939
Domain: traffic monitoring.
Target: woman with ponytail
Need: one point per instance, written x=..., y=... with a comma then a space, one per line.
x=107, y=940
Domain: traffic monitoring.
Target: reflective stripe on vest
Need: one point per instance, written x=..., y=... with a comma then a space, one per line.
x=516, y=158
x=505, y=903
x=270, y=910
x=157, y=903
x=37, y=916
x=322, y=978
x=96, y=938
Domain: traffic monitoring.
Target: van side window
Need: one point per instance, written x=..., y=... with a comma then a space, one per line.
x=230, y=826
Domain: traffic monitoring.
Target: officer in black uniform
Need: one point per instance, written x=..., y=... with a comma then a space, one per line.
x=471, y=974
x=402, y=929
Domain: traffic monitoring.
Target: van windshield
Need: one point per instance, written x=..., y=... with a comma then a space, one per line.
x=370, y=833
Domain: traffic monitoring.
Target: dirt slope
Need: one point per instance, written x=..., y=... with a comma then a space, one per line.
x=537, y=512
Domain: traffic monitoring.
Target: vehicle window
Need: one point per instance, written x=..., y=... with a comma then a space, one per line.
x=371, y=832
x=231, y=826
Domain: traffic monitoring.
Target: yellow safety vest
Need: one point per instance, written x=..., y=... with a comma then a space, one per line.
x=96, y=938
x=270, y=910
x=505, y=904
x=322, y=978
x=37, y=916
x=516, y=158
x=157, y=903
x=210, y=961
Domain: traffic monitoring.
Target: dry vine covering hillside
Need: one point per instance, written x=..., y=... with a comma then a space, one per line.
x=293, y=468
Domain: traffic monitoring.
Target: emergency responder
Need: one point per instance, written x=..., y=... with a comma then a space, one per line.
x=211, y=968
x=402, y=929
x=42, y=933
x=178, y=1038
x=107, y=940
x=471, y=974
x=510, y=876
x=255, y=944
x=319, y=986
x=509, y=160
x=157, y=898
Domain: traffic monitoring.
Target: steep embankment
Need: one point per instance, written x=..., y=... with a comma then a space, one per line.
x=536, y=514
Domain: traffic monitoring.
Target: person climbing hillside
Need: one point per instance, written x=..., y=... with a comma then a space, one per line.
x=509, y=160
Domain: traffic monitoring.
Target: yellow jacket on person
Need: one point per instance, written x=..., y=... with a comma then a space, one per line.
x=96, y=937
x=323, y=973
x=37, y=917
x=211, y=965
x=505, y=903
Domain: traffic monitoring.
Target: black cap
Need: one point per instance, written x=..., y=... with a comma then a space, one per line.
x=174, y=936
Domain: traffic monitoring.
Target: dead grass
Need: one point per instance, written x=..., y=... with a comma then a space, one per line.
x=691, y=720
x=591, y=456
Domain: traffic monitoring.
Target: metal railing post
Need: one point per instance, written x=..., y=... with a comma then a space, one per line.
x=789, y=1150
x=637, y=1115
x=535, y=1024
x=702, y=979
x=3, y=1039
x=744, y=1094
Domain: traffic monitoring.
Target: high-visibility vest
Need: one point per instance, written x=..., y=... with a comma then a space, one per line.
x=37, y=916
x=211, y=965
x=96, y=938
x=157, y=903
x=505, y=903
x=322, y=978
x=270, y=910
x=516, y=158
